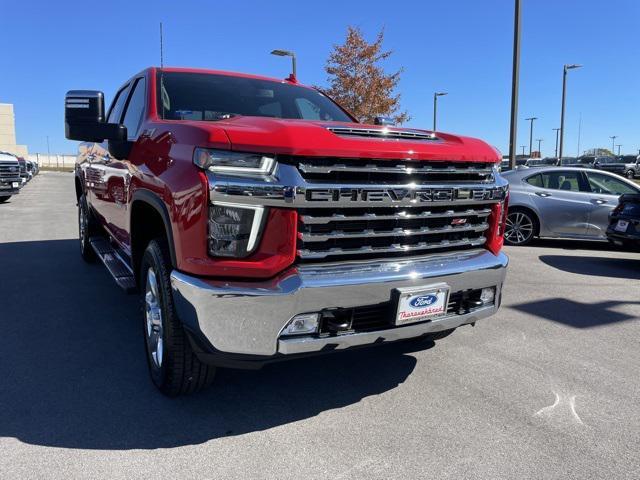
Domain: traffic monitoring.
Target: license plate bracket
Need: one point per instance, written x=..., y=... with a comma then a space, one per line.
x=417, y=304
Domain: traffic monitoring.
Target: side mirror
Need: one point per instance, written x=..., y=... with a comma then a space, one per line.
x=84, y=118
x=383, y=121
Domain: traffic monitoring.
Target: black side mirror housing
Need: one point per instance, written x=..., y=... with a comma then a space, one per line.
x=84, y=118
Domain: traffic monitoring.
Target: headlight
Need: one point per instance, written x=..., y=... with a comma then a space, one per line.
x=225, y=161
x=234, y=230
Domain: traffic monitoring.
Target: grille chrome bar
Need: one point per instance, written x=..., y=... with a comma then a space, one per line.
x=395, y=248
x=401, y=169
x=384, y=133
x=403, y=215
x=396, y=232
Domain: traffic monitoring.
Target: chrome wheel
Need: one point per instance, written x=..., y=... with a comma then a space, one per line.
x=153, y=317
x=630, y=174
x=519, y=228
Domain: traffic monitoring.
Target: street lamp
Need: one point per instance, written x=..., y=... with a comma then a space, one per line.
x=556, y=130
x=435, y=106
x=515, y=76
x=613, y=142
x=539, y=140
x=287, y=53
x=531, y=119
x=618, y=148
x=523, y=147
x=565, y=69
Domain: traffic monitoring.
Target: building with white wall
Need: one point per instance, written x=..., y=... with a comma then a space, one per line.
x=8, y=132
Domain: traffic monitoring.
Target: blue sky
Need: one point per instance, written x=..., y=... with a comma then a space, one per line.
x=463, y=47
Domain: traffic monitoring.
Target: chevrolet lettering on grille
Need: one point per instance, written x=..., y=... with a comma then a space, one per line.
x=402, y=195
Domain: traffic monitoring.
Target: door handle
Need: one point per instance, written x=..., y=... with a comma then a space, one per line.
x=599, y=201
x=543, y=194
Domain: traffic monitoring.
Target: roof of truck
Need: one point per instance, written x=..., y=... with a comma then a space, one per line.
x=220, y=72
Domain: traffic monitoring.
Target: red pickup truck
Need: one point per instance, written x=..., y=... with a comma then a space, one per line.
x=260, y=221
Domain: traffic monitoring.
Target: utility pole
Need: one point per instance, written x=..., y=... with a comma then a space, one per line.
x=523, y=147
x=556, y=130
x=515, y=76
x=565, y=69
x=618, y=148
x=539, y=140
x=531, y=119
x=613, y=142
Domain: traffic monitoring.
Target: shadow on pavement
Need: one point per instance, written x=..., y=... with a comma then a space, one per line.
x=74, y=373
x=595, y=266
x=576, y=314
x=568, y=244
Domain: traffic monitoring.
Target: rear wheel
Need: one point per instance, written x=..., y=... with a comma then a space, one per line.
x=521, y=227
x=4, y=199
x=630, y=174
x=173, y=366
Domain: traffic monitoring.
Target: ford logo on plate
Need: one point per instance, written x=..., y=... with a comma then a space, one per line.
x=423, y=301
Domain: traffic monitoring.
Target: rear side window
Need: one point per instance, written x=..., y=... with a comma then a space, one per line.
x=608, y=185
x=115, y=113
x=135, y=109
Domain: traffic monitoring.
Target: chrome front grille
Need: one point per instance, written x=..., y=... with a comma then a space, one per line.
x=433, y=222
x=9, y=170
x=384, y=133
x=373, y=171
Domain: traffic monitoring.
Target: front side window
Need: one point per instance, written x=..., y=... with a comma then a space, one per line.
x=135, y=109
x=609, y=185
x=562, y=180
x=115, y=113
x=208, y=97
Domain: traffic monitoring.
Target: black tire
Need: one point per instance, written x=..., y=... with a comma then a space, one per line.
x=520, y=236
x=174, y=368
x=4, y=199
x=86, y=228
x=630, y=174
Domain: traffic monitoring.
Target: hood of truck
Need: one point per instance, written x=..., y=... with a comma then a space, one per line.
x=314, y=138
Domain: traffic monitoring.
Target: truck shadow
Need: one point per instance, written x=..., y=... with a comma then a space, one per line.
x=611, y=267
x=74, y=375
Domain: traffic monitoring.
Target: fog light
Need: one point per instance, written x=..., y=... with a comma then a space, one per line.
x=487, y=295
x=302, y=324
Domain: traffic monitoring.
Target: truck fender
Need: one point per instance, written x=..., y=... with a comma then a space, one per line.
x=153, y=200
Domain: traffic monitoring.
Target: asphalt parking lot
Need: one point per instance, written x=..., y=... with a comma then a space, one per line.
x=548, y=388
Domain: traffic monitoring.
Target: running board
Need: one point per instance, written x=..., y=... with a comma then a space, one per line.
x=118, y=269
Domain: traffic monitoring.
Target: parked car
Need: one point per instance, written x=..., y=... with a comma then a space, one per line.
x=610, y=164
x=9, y=176
x=587, y=161
x=24, y=175
x=504, y=164
x=568, y=161
x=243, y=208
x=624, y=222
x=542, y=162
x=561, y=202
x=631, y=165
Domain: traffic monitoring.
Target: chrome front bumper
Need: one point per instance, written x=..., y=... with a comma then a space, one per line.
x=246, y=318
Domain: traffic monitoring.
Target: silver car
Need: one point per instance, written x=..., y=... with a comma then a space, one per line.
x=560, y=202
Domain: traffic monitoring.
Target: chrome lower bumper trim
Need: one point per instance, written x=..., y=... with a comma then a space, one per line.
x=243, y=317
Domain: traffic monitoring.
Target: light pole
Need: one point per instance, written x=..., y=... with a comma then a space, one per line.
x=556, y=130
x=523, y=147
x=288, y=53
x=435, y=106
x=613, y=143
x=515, y=76
x=531, y=119
x=539, y=140
x=618, y=148
x=565, y=69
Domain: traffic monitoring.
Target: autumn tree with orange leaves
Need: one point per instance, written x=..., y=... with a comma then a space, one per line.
x=358, y=82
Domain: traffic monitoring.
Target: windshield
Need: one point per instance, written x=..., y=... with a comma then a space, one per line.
x=204, y=96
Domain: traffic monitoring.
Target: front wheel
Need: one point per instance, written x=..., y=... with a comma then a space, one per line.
x=86, y=228
x=520, y=228
x=4, y=199
x=174, y=368
x=630, y=174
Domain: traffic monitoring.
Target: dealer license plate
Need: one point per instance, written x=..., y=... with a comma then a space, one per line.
x=621, y=226
x=417, y=304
